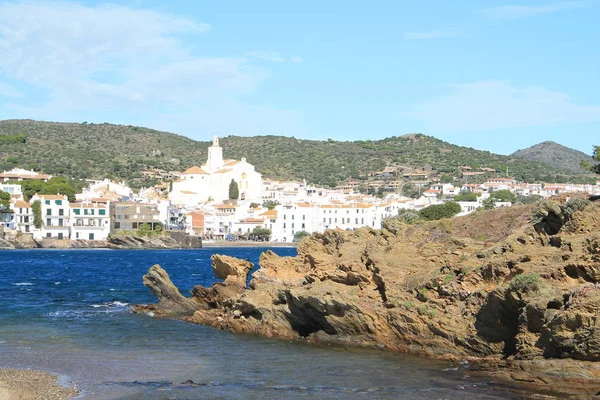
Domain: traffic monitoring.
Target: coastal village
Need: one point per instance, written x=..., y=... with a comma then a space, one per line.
x=199, y=202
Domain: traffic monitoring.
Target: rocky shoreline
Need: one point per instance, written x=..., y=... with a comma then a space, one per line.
x=122, y=242
x=515, y=291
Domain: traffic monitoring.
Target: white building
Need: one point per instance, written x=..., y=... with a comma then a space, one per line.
x=14, y=190
x=55, y=216
x=211, y=181
x=23, y=217
x=90, y=220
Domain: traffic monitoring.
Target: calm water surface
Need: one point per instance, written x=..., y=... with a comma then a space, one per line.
x=68, y=312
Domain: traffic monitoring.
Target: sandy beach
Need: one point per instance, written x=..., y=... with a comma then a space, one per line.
x=19, y=384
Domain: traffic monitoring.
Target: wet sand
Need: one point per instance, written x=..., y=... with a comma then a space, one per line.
x=20, y=384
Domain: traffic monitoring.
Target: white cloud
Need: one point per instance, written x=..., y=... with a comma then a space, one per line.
x=121, y=64
x=520, y=11
x=7, y=90
x=296, y=59
x=491, y=105
x=428, y=35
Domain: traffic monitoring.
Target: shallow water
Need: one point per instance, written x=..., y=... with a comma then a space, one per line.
x=67, y=311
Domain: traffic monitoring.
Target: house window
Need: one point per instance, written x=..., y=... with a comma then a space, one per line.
x=61, y=211
x=76, y=211
x=47, y=202
x=102, y=212
x=48, y=235
x=292, y=225
x=117, y=225
x=60, y=222
x=49, y=212
x=60, y=236
x=303, y=225
x=58, y=202
x=48, y=222
x=91, y=236
x=356, y=221
x=284, y=225
x=303, y=217
x=77, y=235
x=85, y=211
x=92, y=212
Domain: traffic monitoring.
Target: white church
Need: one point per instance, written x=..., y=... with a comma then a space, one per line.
x=210, y=182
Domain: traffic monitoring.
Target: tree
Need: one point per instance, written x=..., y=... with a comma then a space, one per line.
x=596, y=168
x=300, y=235
x=254, y=205
x=270, y=204
x=446, y=179
x=411, y=190
x=262, y=233
x=36, y=207
x=234, y=190
x=465, y=197
x=504, y=195
x=439, y=211
x=534, y=198
x=4, y=199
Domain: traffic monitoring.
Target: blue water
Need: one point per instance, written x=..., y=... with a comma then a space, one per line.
x=68, y=312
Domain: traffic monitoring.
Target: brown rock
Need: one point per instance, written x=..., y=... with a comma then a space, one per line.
x=231, y=269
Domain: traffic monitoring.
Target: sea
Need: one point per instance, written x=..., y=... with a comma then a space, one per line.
x=69, y=312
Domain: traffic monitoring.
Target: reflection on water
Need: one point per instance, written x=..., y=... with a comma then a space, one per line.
x=72, y=318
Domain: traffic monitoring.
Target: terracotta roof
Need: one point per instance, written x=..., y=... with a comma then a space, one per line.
x=229, y=163
x=188, y=192
x=225, y=206
x=195, y=170
x=270, y=213
x=22, y=204
x=53, y=197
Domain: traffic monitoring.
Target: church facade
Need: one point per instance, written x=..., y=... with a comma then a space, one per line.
x=211, y=180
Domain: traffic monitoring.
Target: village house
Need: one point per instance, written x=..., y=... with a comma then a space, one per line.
x=19, y=174
x=55, y=216
x=90, y=220
x=131, y=215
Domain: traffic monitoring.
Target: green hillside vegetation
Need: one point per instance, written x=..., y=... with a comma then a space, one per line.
x=122, y=152
x=555, y=155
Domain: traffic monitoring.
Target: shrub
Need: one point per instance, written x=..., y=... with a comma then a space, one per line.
x=439, y=211
x=574, y=205
x=525, y=283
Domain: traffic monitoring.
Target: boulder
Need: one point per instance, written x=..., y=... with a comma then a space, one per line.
x=232, y=270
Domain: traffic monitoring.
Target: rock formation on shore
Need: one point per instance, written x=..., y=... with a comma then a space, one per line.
x=515, y=289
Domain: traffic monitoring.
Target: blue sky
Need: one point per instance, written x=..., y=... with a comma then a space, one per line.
x=493, y=75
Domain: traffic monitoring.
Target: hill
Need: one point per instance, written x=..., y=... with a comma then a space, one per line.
x=555, y=155
x=122, y=151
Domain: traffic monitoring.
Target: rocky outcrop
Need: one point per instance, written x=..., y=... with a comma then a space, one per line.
x=524, y=306
x=170, y=301
x=232, y=270
x=142, y=242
